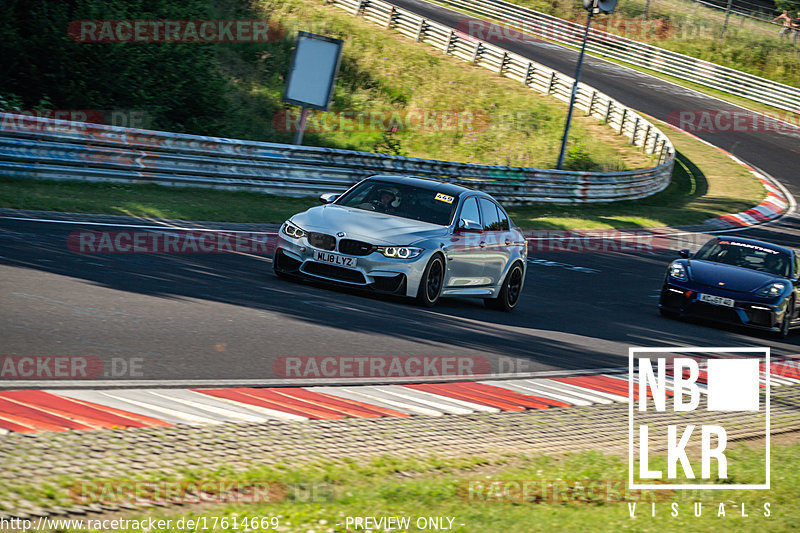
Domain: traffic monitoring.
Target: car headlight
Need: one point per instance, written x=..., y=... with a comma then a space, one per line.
x=400, y=252
x=678, y=271
x=292, y=231
x=772, y=290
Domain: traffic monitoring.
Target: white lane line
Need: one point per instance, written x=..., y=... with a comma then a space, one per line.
x=198, y=401
x=468, y=405
x=607, y=395
x=581, y=393
x=270, y=413
x=529, y=389
x=438, y=405
x=184, y=416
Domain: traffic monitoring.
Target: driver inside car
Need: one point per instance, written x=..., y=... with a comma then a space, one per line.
x=387, y=201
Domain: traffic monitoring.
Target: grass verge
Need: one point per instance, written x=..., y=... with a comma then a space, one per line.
x=468, y=491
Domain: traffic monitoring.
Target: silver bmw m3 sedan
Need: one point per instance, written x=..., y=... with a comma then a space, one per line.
x=414, y=237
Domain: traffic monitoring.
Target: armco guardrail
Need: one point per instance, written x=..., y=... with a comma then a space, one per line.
x=32, y=147
x=536, y=24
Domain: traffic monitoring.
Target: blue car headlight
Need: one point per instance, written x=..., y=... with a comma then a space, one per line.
x=678, y=271
x=400, y=252
x=292, y=231
x=772, y=290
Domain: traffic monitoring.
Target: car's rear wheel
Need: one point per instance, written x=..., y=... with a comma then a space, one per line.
x=510, y=291
x=430, y=286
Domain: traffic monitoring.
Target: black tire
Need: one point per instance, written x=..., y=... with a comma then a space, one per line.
x=510, y=292
x=786, y=322
x=430, y=286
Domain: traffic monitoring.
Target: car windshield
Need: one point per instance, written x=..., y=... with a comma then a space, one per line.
x=746, y=255
x=401, y=200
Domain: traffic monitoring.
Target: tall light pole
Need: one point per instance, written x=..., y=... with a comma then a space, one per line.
x=593, y=7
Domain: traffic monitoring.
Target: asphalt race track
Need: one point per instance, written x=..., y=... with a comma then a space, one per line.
x=226, y=316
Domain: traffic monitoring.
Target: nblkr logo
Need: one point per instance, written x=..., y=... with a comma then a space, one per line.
x=724, y=380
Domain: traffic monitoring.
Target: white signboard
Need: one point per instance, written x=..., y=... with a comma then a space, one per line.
x=313, y=70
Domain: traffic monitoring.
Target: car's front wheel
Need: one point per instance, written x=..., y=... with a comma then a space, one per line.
x=510, y=291
x=430, y=286
x=786, y=322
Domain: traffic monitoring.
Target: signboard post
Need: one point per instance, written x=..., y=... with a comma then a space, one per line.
x=312, y=75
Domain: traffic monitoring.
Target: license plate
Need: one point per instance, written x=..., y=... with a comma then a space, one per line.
x=335, y=259
x=716, y=300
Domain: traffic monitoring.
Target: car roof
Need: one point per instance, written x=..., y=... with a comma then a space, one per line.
x=755, y=242
x=426, y=183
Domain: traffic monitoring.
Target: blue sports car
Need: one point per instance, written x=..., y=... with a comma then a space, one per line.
x=735, y=280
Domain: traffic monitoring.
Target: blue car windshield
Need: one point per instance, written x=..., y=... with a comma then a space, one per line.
x=407, y=201
x=746, y=255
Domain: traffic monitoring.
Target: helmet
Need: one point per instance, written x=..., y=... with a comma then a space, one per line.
x=393, y=192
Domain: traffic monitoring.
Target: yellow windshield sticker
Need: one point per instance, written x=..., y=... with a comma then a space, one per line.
x=444, y=198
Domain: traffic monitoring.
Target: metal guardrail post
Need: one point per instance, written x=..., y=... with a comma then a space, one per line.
x=421, y=30
x=450, y=40
x=591, y=104
x=607, y=115
x=635, y=131
x=529, y=73
x=622, y=120
x=476, y=53
x=655, y=142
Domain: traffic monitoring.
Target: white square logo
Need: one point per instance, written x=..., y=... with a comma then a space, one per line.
x=733, y=384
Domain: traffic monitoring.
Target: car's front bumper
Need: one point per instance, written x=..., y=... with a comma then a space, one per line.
x=372, y=272
x=748, y=312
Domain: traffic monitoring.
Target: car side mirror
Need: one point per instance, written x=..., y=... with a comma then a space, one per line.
x=328, y=197
x=468, y=225
x=684, y=253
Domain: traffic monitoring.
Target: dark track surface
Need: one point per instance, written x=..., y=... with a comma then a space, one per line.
x=226, y=316
x=206, y=316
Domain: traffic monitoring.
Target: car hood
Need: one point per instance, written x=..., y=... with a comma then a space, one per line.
x=374, y=228
x=732, y=277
